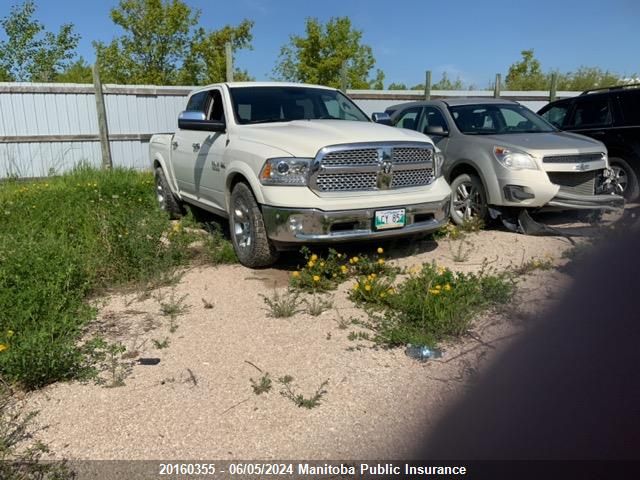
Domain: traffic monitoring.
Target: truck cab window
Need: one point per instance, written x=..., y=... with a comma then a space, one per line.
x=217, y=108
x=198, y=102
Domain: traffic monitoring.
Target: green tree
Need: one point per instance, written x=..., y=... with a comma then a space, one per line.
x=397, y=86
x=585, y=78
x=31, y=54
x=526, y=74
x=78, y=72
x=161, y=45
x=317, y=57
x=446, y=84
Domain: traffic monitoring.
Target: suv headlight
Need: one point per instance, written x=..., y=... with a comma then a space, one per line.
x=285, y=171
x=514, y=159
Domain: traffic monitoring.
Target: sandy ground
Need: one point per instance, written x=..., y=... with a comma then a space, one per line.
x=197, y=403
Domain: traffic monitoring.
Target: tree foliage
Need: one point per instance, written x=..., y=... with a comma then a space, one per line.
x=526, y=74
x=30, y=53
x=318, y=55
x=78, y=72
x=161, y=45
x=397, y=86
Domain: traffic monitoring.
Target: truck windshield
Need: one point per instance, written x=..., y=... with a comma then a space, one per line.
x=284, y=104
x=492, y=119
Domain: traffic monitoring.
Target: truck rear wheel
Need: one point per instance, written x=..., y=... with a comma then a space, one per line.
x=248, y=233
x=166, y=199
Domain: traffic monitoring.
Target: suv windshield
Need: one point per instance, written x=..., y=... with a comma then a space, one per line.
x=284, y=104
x=491, y=119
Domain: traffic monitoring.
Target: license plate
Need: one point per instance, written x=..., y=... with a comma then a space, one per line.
x=390, y=219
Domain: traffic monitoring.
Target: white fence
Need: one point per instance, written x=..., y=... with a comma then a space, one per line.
x=48, y=128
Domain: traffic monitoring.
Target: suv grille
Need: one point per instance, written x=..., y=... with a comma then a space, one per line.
x=374, y=167
x=583, y=183
x=583, y=157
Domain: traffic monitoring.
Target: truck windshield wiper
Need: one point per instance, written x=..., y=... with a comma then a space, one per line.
x=268, y=120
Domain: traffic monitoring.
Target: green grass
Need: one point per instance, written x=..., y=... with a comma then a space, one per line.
x=66, y=239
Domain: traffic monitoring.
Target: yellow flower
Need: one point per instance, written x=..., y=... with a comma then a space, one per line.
x=433, y=291
x=381, y=261
x=9, y=333
x=334, y=275
x=356, y=286
x=380, y=250
x=447, y=287
x=367, y=287
x=373, y=275
x=310, y=264
x=441, y=270
x=3, y=347
x=344, y=268
x=176, y=227
x=353, y=260
x=295, y=274
x=322, y=264
x=316, y=278
x=382, y=295
x=438, y=287
x=314, y=257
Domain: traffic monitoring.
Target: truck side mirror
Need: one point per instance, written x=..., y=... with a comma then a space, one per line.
x=381, y=117
x=436, y=130
x=198, y=121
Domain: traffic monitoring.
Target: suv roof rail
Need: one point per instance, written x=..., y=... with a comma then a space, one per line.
x=608, y=89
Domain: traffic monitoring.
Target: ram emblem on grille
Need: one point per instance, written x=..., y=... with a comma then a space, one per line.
x=384, y=175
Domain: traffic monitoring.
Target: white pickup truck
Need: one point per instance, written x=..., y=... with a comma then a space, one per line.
x=292, y=164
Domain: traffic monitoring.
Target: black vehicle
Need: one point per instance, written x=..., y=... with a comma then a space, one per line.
x=611, y=115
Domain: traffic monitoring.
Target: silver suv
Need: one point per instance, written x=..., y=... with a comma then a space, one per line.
x=500, y=154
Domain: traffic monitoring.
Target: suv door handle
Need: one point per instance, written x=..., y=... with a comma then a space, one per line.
x=196, y=146
x=174, y=144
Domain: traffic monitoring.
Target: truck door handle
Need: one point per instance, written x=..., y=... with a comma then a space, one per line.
x=174, y=144
x=196, y=146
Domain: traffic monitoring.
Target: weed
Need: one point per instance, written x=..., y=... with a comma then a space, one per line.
x=172, y=308
x=533, y=264
x=65, y=239
x=206, y=304
x=160, y=344
x=372, y=290
x=355, y=336
x=106, y=357
x=299, y=399
x=462, y=251
x=282, y=305
x=318, y=305
x=263, y=385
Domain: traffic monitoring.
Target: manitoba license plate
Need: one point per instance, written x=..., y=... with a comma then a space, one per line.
x=390, y=219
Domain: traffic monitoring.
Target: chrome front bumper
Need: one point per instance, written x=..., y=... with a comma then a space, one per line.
x=586, y=202
x=310, y=225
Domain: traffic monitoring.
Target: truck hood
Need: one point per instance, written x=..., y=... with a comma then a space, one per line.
x=540, y=144
x=303, y=138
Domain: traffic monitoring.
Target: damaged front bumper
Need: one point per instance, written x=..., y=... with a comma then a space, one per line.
x=565, y=200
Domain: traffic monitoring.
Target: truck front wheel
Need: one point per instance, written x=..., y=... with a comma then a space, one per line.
x=248, y=233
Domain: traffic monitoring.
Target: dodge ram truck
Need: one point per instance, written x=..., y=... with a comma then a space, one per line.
x=291, y=164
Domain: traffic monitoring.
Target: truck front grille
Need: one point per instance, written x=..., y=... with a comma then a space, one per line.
x=580, y=158
x=373, y=167
x=579, y=183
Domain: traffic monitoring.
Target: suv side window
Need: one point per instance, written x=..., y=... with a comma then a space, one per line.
x=630, y=106
x=591, y=112
x=557, y=114
x=432, y=118
x=409, y=118
x=198, y=102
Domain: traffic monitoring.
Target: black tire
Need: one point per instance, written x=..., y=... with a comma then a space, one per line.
x=629, y=181
x=468, y=199
x=248, y=233
x=166, y=199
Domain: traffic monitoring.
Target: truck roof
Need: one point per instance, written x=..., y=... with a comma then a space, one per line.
x=259, y=84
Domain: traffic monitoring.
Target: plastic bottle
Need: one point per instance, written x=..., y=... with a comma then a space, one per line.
x=422, y=352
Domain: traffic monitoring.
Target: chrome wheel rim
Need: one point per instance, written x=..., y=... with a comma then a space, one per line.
x=620, y=178
x=467, y=201
x=242, y=225
x=160, y=193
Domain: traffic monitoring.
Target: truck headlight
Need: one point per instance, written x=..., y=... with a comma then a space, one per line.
x=439, y=161
x=514, y=159
x=285, y=171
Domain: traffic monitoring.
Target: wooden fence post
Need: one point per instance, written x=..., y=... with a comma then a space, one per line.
x=554, y=87
x=229, y=56
x=427, y=85
x=496, y=90
x=103, y=128
x=343, y=77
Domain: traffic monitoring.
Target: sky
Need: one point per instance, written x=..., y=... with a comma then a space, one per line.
x=471, y=40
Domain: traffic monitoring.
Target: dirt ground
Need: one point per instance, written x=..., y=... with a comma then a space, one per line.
x=197, y=402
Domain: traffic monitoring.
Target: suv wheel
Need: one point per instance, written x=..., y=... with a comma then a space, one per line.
x=166, y=199
x=468, y=199
x=248, y=233
x=626, y=179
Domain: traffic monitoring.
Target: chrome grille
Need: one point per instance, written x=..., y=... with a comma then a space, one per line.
x=580, y=158
x=412, y=178
x=341, y=182
x=411, y=155
x=356, y=157
x=579, y=183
